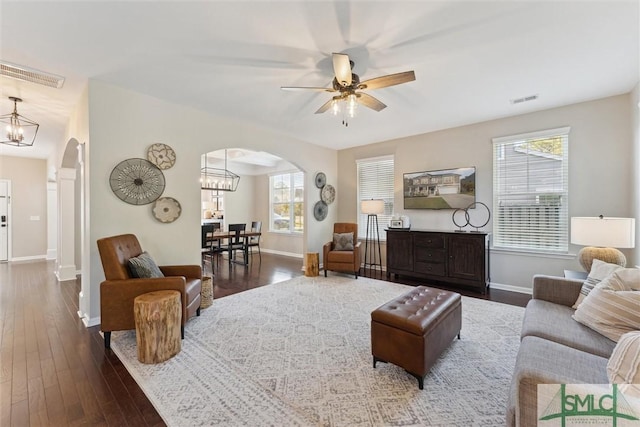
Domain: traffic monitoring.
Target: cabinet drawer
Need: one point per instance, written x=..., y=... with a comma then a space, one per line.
x=431, y=268
x=429, y=240
x=430, y=255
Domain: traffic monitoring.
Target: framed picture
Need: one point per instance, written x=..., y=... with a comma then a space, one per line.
x=439, y=189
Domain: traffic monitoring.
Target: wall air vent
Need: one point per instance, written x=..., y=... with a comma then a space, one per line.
x=27, y=74
x=524, y=99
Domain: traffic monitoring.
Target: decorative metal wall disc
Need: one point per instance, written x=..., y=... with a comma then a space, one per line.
x=166, y=209
x=137, y=181
x=328, y=194
x=320, y=210
x=321, y=179
x=161, y=155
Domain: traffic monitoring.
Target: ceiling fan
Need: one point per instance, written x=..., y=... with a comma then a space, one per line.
x=349, y=87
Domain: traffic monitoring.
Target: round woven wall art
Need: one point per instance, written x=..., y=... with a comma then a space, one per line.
x=161, y=155
x=137, y=181
x=320, y=210
x=166, y=209
x=328, y=194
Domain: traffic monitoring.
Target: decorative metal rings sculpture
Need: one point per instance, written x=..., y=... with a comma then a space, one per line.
x=467, y=217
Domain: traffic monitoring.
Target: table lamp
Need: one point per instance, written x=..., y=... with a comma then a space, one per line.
x=601, y=237
x=372, y=208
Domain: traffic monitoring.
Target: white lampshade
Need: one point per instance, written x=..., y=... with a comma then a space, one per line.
x=603, y=232
x=372, y=207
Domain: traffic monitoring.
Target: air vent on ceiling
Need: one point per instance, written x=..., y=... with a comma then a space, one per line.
x=524, y=99
x=27, y=74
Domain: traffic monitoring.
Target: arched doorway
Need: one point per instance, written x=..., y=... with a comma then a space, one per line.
x=71, y=224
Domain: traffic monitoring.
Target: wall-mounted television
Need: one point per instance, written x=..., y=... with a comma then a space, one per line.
x=439, y=189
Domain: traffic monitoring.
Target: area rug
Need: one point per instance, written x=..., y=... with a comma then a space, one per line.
x=298, y=353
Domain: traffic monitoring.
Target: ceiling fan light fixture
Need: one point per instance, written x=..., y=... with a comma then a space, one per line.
x=19, y=130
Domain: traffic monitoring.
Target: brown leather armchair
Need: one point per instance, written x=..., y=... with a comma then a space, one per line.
x=344, y=261
x=119, y=289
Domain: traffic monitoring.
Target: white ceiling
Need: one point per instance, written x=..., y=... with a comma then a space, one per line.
x=230, y=58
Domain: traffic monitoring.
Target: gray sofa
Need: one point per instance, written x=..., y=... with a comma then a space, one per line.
x=554, y=348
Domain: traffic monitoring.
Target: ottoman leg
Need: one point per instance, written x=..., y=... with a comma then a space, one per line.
x=419, y=378
x=376, y=360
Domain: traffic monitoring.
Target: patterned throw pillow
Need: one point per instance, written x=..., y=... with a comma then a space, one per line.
x=143, y=266
x=343, y=241
x=599, y=271
x=624, y=364
x=612, y=308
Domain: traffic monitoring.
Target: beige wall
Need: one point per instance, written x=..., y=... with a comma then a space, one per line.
x=143, y=120
x=635, y=129
x=600, y=171
x=28, y=199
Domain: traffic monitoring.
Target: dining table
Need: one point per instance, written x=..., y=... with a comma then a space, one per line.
x=219, y=236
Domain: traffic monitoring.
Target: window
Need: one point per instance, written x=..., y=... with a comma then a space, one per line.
x=531, y=191
x=375, y=181
x=286, y=197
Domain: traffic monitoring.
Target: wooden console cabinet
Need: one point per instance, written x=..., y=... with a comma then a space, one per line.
x=447, y=257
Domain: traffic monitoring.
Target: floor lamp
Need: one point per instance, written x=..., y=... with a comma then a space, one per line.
x=372, y=208
x=602, y=236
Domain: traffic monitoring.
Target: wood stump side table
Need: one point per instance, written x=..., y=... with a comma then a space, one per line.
x=158, y=316
x=312, y=264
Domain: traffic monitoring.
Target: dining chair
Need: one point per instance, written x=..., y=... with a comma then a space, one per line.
x=254, y=241
x=236, y=242
x=210, y=247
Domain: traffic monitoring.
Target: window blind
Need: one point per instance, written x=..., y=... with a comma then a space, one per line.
x=375, y=181
x=531, y=191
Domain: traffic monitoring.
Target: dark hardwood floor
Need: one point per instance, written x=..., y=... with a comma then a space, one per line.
x=56, y=372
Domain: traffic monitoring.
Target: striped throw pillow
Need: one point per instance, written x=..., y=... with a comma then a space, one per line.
x=612, y=308
x=624, y=364
x=599, y=271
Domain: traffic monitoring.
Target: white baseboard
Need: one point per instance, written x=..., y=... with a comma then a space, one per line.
x=89, y=322
x=65, y=273
x=28, y=258
x=52, y=254
x=289, y=254
x=511, y=288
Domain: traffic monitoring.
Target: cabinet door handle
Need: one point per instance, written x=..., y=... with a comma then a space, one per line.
x=429, y=255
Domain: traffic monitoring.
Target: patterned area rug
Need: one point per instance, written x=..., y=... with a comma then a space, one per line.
x=298, y=353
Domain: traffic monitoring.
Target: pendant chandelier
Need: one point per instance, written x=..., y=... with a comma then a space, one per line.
x=19, y=131
x=216, y=179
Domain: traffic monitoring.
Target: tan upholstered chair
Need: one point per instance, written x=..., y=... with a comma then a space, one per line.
x=344, y=261
x=119, y=289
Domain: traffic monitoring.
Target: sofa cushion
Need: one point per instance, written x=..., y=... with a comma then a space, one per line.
x=599, y=271
x=143, y=266
x=554, y=322
x=541, y=361
x=612, y=308
x=343, y=241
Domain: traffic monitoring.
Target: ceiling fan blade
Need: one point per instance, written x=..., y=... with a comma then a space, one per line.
x=370, y=101
x=388, y=80
x=316, y=89
x=342, y=68
x=324, y=107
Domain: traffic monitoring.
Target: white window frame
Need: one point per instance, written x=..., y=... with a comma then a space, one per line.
x=523, y=234
x=292, y=201
x=377, y=190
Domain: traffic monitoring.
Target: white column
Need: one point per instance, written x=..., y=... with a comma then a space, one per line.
x=52, y=220
x=65, y=263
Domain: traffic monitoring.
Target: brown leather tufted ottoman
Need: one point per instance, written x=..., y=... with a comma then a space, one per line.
x=411, y=331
